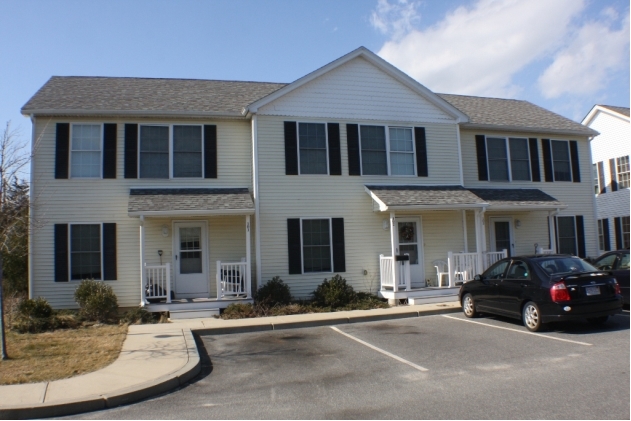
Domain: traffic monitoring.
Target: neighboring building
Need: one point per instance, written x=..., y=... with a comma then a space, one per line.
x=610, y=158
x=209, y=188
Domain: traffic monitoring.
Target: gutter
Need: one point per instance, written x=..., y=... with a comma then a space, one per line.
x=139, y=113
x=500, y=128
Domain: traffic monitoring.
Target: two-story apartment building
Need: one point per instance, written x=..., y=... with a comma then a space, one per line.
x=194, y=192
x=610, y=160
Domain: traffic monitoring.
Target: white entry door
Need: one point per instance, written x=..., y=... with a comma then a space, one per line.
x=190, y=269
x=411, y=242
x=501, y=231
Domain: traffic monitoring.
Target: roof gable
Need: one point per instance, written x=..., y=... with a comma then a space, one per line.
x=618, y=112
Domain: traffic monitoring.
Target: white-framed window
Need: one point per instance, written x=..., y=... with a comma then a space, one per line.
x=387, y=150
x=86, y=258
x=601, y=235
x=625, y=231
x=85, y=150
x=170, y=151
x=313, y=148
x=508, y=159
x=566, y=235
x=317, y=245
x=622, y=171
x=561, y=162
x=596, y=182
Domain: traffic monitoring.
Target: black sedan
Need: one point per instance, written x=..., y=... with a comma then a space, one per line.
x=541, y=289
x=617, y=262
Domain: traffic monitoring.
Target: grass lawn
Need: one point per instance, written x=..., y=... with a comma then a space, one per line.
x=59, y=354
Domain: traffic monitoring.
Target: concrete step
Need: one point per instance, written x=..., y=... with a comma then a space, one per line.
x=431, y=300
x=193, y=314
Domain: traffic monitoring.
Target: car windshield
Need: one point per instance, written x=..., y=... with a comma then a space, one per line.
x=562, y=265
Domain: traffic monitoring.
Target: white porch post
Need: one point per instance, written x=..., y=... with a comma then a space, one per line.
x=393, y=248
x=464, y=230
x=248, y=267
x=479, y=248
x=143, y=275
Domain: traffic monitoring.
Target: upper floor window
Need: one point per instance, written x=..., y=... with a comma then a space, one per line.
x=313, y=148
x=170, y=151
x=154, y=152
x=595, y=174
x=562, y=168
x=508, y=159
x=622, y=171
x=387, y=152
x=187, y=151
x=85, y=151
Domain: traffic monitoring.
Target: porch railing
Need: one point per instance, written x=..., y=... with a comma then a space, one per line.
x=395, y=274
x=233, y=279
x=491, y=257
x=461, y=267
x=158, y=282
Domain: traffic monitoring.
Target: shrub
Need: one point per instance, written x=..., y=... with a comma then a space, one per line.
x=334, y=293
x=138, y=315
x=96, y=300
x=238, y=311
x=65, y=319
x=33, y=316
x=274, y=292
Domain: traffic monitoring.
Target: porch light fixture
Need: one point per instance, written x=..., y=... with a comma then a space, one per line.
x=517, y=223
x=165, y=231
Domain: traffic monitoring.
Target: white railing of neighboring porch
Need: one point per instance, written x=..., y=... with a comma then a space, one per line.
x=491, y=257
x=391, y=270
x=463, y=267
x=158, y=282
x=233, y=280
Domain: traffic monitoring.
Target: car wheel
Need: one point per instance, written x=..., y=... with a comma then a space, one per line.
x=598, y=320
x=468, y=306
x=531, y=316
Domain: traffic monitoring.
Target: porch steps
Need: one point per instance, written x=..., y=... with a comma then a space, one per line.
x=193, y=314
x=431, y=300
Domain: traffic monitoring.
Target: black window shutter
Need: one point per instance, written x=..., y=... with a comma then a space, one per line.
x=421, y=151
x=612, y=172
x=210, y=151
x=556, y=235
x=62, y=150
x=109, y=150
x=294, y=247
x=547, y=159
x=534, y=159
x=339, y=256
x=109, y=252
x=131, y=151
x=480, y=147
x=352, y=141
x=291, y=148
x=606, y=234
x=61, y=253
x=576, y=170
x=335, y=153
x=580, y=236
x=601, y=177
x=618, y=229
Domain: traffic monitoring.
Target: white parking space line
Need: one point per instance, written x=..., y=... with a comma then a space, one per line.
x=411, y=364
x=518, y=331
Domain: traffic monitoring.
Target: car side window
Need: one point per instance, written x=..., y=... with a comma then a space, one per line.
x=496, y=271
x=624, y=261
x=518, y=270
x=607, y=262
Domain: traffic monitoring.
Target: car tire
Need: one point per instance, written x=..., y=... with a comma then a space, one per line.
x=531, y=317
x=468, y=306
x=598, y=320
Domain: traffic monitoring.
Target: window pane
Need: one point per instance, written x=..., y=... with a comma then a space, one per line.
x=601, y=235
x=519, y=159
x=401, y=151
x=567, y=234
x=498, y=160
x=154, y=152
x=86, y=150
x=373, y=145
x=561, y=160
x=312, y=137
x=625, y=232
x=622, y=165
x=316, y=245
x=85, y=252
x=595, y=173
x=187, y=151
x=496, y=271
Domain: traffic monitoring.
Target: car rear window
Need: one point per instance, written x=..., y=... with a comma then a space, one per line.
x=561, y=265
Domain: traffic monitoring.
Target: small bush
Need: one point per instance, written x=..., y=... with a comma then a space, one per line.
x=65, y=319
x=97, y=301
x=37, y=308
x=274, y=292
x=137, y=316
x=238, y=311
x=334, y=293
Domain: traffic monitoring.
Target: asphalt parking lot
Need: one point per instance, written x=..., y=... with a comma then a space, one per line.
x=434, y=367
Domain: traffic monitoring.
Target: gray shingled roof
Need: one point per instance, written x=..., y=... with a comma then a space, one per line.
x=621, y=110
x=394, y=196
x=513, y=114
x=144, y=95
x=517, y=197
x=211, y=201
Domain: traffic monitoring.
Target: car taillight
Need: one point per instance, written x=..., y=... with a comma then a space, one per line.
x=559, y=292
x=616, y=287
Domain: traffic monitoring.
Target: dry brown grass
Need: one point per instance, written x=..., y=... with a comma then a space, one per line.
x=59, y=354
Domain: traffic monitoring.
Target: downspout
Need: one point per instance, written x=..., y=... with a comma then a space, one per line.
x=459, y=152
x=30, y=212
x=256, y=193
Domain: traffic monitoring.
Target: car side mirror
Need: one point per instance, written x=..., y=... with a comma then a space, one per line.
x=477, y=278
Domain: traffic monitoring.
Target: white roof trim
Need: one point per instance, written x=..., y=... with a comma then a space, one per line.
x=526, y=208
x=495, y=128
x=385, y=208
x=590, y=116
x=378, y=62
x=191, y=213
x=140, y=113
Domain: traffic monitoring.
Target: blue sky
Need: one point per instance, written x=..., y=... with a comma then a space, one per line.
x=564, y=55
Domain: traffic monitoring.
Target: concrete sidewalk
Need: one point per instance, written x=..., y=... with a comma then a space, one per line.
x=161, y=357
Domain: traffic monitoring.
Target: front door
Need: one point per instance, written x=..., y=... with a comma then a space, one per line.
x=501, y=235
x=190, y=269
x=411, y=242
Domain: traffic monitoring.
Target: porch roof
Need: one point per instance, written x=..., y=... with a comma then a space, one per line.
x=522, y=199
x=190, y=202
x=391, y=198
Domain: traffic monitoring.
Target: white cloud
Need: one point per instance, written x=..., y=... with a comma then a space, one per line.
x=477, y=50
x=395, y=19
x=583, y=66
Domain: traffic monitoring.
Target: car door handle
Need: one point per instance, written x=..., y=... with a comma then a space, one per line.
x=524, y=285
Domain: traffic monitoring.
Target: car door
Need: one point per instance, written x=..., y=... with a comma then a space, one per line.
x=621, y=272
x=487, y=292
x=516, y=285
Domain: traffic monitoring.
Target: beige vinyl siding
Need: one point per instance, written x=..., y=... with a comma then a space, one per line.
x=105, y=200
x=579, y=197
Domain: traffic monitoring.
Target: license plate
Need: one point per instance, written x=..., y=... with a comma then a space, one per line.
x=592, y=291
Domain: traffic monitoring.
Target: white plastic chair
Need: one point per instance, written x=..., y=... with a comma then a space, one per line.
x=441, y=270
